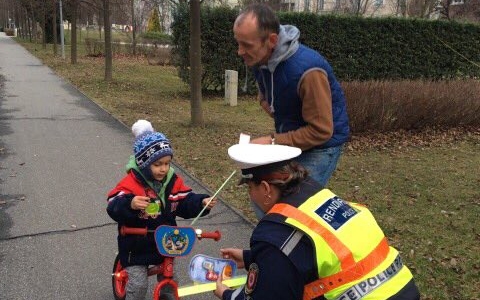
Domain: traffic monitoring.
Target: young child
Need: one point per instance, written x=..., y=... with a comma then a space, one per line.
x=150, y=195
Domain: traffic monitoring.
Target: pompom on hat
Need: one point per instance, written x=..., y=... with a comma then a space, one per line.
x=257, y=161
x=149, y=145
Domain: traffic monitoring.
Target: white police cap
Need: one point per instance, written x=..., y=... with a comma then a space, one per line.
x=257, y=159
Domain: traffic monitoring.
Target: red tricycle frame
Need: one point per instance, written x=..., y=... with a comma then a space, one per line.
x=164, y=271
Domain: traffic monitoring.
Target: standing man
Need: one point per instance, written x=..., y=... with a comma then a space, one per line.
x=297, y=88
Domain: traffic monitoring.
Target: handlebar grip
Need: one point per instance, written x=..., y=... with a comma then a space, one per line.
x=216, y=235
x=124, y=230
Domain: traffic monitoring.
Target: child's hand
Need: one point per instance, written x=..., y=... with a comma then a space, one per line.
x=140, y=202
x=211, y=204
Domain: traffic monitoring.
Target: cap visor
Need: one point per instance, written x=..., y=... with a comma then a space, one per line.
x=242, y=181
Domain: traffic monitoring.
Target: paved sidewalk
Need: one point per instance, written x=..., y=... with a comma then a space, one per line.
x=59, y=155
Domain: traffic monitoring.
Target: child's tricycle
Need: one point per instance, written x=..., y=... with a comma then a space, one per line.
x=172, y=241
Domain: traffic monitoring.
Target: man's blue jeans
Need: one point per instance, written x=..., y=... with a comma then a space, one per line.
x=320, y=164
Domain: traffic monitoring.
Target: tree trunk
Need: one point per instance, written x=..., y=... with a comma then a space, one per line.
x=16, y=17
x=44, y=25
x=134, y=30
x=24, y=22
x=18, y=20
x=195, y=65
x=73, y=42
x=99, y=20
x=21, y=20
x=54, y=24
x=108, y=40
x=34, y=25
x=29, y=25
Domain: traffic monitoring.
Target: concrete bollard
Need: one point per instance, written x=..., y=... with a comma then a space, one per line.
x=231, y=87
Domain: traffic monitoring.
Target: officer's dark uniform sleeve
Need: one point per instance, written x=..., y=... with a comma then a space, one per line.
x=276, y=277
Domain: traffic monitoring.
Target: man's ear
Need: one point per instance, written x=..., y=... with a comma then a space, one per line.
x=272, y=40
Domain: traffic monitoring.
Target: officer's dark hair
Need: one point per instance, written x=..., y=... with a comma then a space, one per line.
x=267, y=20
x=293, y=172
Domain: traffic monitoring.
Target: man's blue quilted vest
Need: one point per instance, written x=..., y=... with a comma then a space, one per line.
x=287, y=104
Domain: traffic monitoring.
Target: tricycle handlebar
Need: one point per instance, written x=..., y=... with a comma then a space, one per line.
x=124, y=230
x=215, y=235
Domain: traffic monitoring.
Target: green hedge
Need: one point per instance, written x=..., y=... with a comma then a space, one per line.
x=391, y=48
x=156, y=37
x=219, y=48
x=357, y=48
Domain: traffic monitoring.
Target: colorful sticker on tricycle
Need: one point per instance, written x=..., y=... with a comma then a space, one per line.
x=174, y=241
x=207, y=269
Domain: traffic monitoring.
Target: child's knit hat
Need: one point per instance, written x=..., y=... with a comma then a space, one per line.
x=149, y=145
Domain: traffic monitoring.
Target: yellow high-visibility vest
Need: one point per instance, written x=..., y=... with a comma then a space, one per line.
x=353, y=256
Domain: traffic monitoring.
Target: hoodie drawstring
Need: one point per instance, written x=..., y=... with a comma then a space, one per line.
x=272, y=110
x=245, y=85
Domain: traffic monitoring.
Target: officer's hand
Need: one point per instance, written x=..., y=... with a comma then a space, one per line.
x=235, y=254
x=220, y=287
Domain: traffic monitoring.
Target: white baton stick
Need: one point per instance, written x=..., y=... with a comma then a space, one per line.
x=213, y=197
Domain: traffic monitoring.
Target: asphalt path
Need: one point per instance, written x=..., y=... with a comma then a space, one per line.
x=60, y=153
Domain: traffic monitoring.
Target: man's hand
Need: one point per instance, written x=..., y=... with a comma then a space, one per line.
x=264, y=140
x=266, y=107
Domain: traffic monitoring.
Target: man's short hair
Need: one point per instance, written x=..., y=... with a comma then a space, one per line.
x=267, y=20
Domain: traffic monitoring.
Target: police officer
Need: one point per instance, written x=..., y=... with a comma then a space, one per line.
x=311, y=244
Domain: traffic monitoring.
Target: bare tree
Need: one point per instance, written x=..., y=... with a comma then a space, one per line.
x=25, y=22
x=73, y=42
x=134, y=29
x=195, y=65
x=34, y=27
x=421, y=8
x=469, y=10
x=44, y=24
x=54, y=27
x=357, y=7
x=276, y=5
x=15, y=14
x=398, y=7
x=443, y=9
x=29, y=23
x=108, y=40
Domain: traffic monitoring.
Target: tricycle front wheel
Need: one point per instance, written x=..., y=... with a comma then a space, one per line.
x=167, y=292
x=119, y=280
x=167, y=297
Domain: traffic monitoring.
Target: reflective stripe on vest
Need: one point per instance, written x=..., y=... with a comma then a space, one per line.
x=337, y=246
x=359, y=290
x=351, y=270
